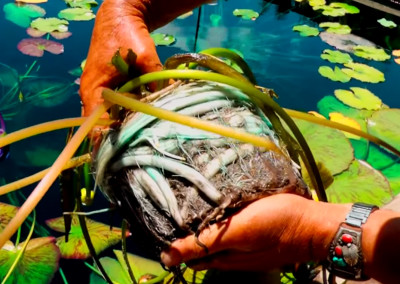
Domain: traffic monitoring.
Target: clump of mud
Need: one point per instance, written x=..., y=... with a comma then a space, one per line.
x=173, y=180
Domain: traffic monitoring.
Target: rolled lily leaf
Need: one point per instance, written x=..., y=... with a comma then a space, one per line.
x=101, y=235
x=305, y=30
x=37, y=46
x=76, y=14
x=162, y=39
x=246, y=14
x=363, y=72
x=22, y=15
x=50, y=25
x=7, y=212
x=359, y=98
x=38, y=264
x=334, y=74
x=336, y=56
x=336, y=28
x=360, y=183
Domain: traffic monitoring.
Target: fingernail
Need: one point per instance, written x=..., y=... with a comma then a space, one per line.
x=170, y=257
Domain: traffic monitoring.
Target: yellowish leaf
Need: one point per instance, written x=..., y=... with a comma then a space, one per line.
x=340, y=118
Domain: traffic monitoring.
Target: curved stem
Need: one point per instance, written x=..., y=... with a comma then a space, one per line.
x=263, y=101
x=74, y=162
x=46, y=127
x=53, y=173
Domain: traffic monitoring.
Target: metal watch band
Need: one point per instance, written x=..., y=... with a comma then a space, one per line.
x=345, y=258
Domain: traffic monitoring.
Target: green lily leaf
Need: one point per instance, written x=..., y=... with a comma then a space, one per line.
x=329, y=146
x=162, y=39
x=22, y=15
x=314, y=3
x=336, y=28
x=360, y=183
x=101, y=235
x=385, y=124
x=7, y=212
x=371, y=53
x=87, y=4
x=50, y=25
x=359, y=98
x=363, y=72
x=380, y=158
x=392, y=175
x=387, y=23
x=76, y=14
x=305, y=30
x=38, y=264
x=334, y=75
x=246, y=14
x=336, y=56
x=336, y=9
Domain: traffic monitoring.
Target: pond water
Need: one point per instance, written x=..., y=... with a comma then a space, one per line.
x=280, y=58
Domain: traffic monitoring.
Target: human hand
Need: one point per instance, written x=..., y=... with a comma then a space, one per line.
x=269, y=233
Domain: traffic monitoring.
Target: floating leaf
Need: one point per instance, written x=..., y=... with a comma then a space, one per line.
x=335, y=56
x=360, y=183
x=50, y=25
x=340, y=118
x=314, y=3
x=336, y=9
x=162, y=39
x=38, y=263
x=246, y=14
x=328, y=145
x=101, y=235
x=344, y=42
x=385, y=124
x=363, y=72
x=371, y=53
x=387, y=23
x=32, y=1
x=392, y=174
x=359, y=98
x=396, y=53
x=81, y=3
x=334, y=75
x=76, y=14
x=335, y=28
x=305, y=30
x=22, y=15
x=37, y=46
x=60, y=35
x=7, y=212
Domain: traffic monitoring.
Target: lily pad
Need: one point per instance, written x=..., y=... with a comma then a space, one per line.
x=50, y=25
x=334, y=75
x=81, y=3
x=387, y=23
x=246, y=14
x=7, y=212
x=336, y=28
x=329, y=146
x=337, y=9
x=359, y=98
x=22, y=15
x=305, y=30
x=385, y=124
x=32, y=1
x=392, y=174
x=344, y=42
x=360, y=183
x=363, y=72
x=58, y=35
x=37, y=46
x=76, y=14
x=396, y=53
x=348, y=121
x=336, y=56
x=371, y=53
x=101, y=235
x=162, y=39
x=38, y=263
x=314, y=3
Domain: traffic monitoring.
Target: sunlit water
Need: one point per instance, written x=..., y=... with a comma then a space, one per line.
x=281, y=59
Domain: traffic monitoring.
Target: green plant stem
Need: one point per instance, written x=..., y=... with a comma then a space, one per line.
x=63, y=276
x=263, y=101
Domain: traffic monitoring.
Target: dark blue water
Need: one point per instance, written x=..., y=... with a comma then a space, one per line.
x=281, y=59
